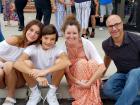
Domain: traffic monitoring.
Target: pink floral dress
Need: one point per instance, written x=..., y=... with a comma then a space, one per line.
x=82, y=69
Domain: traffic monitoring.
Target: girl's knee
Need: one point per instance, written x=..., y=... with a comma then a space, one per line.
x=29, y=63
x=8, y=67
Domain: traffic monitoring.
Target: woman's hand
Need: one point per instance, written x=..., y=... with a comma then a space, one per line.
x=84, y=84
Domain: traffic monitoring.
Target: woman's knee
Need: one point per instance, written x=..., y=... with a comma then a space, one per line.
x=93, y=63
x=82, y=62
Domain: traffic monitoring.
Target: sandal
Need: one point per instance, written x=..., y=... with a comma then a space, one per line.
x=9, y=101
x=84, y=36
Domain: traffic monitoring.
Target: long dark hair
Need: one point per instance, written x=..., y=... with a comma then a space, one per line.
x=23, y=39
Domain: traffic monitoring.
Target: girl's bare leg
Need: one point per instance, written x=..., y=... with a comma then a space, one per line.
x=2, y=82
x=14, y=79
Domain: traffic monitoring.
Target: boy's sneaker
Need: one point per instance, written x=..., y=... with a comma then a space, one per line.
x=51, y=97
x=35, y=98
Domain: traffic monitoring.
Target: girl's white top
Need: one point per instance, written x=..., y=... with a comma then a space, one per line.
x=9, y=52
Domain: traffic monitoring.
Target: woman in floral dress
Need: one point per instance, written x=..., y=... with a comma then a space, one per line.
x=87, y=66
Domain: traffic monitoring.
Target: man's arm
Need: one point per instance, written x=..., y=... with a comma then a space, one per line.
x=107, y=61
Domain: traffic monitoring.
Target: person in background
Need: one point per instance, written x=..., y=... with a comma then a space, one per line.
x=94, y=14
x=59, y=14
x=44, y=9
x=43, y=63
x=87, y=67
x=82, y=14
x=9, y=12
x=19, y=6
x=105, y=5
x=10, y=49
x=124, y=49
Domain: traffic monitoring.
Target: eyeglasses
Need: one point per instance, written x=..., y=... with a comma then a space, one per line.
x=116, y=25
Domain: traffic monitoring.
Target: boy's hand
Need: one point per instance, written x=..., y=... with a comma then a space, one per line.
x=42, y=81
x=38, y=73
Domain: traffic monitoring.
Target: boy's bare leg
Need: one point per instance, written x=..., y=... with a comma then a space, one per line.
x=57, y=77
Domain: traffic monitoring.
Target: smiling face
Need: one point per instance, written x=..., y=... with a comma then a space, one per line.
x=32, y=33
x=48, y=41
x=115, y=26
x=71, y=34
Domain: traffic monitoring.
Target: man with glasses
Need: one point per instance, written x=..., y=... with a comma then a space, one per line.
x=124, y=49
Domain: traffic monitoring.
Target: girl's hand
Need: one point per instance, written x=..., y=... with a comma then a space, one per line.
x=38, y=73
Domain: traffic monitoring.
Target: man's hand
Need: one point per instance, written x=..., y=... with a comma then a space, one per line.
x=42, y=81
